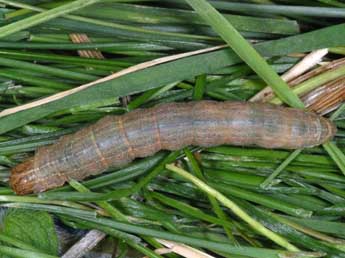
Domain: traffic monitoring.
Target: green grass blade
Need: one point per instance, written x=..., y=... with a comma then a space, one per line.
x=43, y=17
x=214, y=203
x=198, y=242
x=280, y=168
x=19, y=253
x=234, y=208
x=114, y=212
x=199, y=88
x=120, y=26
x=336, y=154
x=274, y=9
x=245, y=51
x=338, y=112
x=46, y=69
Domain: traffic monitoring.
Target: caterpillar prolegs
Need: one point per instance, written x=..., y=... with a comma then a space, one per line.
x=115, y=141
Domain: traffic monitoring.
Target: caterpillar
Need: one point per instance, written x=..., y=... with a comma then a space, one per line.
x=114, y=141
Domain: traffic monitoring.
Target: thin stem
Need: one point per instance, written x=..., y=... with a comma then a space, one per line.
x=234, y=208
x=336, y=154
x=103, y=204
x=337, y=113
x=280, y=168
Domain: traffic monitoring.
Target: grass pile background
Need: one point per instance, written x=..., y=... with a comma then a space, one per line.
x=303, y=207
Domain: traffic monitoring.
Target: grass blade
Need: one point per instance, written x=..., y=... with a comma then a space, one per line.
x=234, y=208
x=19, y=253
x=43, y=17
x=245, y=51
x=281, y=167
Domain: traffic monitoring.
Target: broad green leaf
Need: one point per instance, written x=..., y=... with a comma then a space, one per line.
x=35, y=228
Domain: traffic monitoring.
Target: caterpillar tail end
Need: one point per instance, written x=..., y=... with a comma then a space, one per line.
x=21, y=178
x=329, y=131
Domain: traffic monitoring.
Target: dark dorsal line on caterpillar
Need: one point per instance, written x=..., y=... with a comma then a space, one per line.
x=115, y=141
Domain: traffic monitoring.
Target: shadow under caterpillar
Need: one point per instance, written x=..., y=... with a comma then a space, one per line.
x=115, y=141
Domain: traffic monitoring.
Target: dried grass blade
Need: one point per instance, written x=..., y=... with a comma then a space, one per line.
x=300, y=68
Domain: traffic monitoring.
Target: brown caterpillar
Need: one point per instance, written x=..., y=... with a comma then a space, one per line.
x=115, y=141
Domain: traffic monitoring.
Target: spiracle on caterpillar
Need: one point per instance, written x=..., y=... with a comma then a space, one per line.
x=114, y=141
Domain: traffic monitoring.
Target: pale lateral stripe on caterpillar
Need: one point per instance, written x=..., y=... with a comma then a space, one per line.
x=115, y=141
